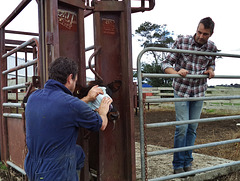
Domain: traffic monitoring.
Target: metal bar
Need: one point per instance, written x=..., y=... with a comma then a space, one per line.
x=21, y=32
x=15, y=12
x=143, y=8
x=29, y=42
x=191, y=99
x=186, y=51
x=92, y=65
x=18, y=86
x=190, y=76
x=89, y=63
x=16, y=167
x=13, y=42
x=21, y=66
x=203, y=120
x=141, y=119
x=12, y=115
x=89, y=48
x=174, y=150
x=196, y=171
x=13, y=105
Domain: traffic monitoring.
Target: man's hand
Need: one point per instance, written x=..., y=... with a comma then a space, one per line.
x=210, y=73
x=182, y=72
x=103, y=110
x=104, y=106
x=92, y=94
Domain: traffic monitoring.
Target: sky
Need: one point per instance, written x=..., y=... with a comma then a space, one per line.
x=180, y=16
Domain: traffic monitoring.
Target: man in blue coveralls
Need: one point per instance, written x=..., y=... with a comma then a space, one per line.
x=53, y=117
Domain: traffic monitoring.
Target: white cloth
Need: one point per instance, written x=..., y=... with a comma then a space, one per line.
x=95, y=104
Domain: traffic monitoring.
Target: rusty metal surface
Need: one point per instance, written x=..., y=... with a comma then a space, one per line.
x=75, y=3
x=16, y=141
x=110, y=154
x=142, y=8
x=3, y=82
x=116, y=145
x=13, y=139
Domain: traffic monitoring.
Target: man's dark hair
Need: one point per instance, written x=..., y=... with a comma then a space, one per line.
x=61, y=68
x=208, y=23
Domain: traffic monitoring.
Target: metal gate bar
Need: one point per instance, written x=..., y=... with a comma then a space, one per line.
x=203, y=120
x=18, y=86
x=12, y=115
x=190, y=76
x=173, y=150
x=191, y=99
x=141, y=110
x=197, y=171
x=25, y=65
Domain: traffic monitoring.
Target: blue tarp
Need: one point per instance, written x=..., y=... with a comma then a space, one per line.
x=146, y=85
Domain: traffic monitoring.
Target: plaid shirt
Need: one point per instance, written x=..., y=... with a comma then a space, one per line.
x=195, y=64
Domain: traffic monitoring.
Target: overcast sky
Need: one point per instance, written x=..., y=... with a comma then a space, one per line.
x=181, y=16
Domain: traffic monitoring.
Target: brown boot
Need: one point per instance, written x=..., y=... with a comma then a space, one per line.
x=187, y=169
x=179, y=170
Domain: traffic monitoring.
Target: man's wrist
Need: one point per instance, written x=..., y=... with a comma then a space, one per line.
x=85, y=99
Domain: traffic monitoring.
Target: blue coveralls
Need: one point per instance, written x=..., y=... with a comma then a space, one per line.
x=53, y=117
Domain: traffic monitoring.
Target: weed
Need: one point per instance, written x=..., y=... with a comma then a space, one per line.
x=2, y=166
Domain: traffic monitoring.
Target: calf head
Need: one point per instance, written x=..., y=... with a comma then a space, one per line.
x=111, y=88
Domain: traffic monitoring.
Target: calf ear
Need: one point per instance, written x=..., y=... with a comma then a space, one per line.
x=115, y=85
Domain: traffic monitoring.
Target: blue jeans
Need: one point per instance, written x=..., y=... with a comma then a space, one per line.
x=185, y=134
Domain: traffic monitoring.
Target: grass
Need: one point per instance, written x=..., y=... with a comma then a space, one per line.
x=226, y=104
x=210, y=111
x=2, y=166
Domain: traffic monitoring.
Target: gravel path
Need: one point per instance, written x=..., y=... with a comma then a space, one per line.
x=159, y=166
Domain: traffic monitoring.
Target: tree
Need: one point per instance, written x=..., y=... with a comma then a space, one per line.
x=154, y=35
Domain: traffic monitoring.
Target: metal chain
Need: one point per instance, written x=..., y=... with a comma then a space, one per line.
x=145, y=140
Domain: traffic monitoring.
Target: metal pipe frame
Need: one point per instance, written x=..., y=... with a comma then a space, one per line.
x=234, y=163
x=149, y=100
x=27, y=64
x=16, y=167
x=19, y=105
x=203, y=120
x=140, y=96
x=143, y=8
x=5, y=150
x=21, y=32
x=190, y=76
x=173, y=150
x=12, y=115
x=185, y=51
x=88, y=49
x=18, y=86
x=29, y=42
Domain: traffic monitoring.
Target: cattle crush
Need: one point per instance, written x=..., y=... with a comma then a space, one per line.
x=110, y=154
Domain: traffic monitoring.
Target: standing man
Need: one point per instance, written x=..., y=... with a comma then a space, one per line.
x=183, y=64
x=53, y=117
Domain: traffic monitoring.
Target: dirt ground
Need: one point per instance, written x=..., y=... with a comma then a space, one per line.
x=206, y=132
